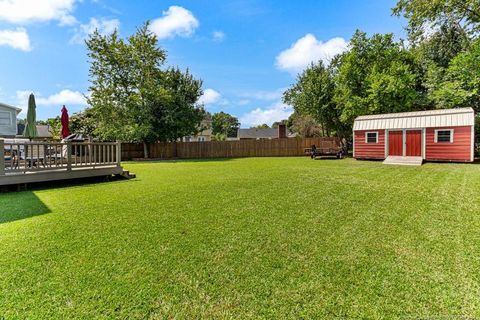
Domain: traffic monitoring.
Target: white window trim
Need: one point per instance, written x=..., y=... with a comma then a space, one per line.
x=366, y=136
x=452, y=132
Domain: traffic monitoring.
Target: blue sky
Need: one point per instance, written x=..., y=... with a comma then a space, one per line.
x=246, y=51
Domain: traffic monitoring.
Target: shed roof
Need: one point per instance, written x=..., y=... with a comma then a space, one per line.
x=18, y=110
x=417, y=119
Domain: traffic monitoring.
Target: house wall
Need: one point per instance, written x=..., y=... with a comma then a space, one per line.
x=365, y=150
x=8, y=122
x=199, y=138
x=459, y=150
x=205, y=135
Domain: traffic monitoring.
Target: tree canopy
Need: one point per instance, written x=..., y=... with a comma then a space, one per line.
x=133, y=98
x=224, y=125
x=438, y=68
x=424, y=15
x=313, y=94
x=375, y=75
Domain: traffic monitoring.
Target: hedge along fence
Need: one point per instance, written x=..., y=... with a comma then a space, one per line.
x=227, y=149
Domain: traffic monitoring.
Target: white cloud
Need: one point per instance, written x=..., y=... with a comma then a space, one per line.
x=104, y=27
x=210, y=96
x=218, y=36
x=17, y=39
x=25, y=11
x=307, y=50
x=276, y=112
x=176, y=21
x=64, y=97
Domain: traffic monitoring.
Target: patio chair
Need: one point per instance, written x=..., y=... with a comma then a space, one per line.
x=11, y=158
x=57, y=153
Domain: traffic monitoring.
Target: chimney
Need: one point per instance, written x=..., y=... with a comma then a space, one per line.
x=282, y=131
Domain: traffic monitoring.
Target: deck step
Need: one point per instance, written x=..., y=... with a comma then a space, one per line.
x=404, y=161
x=128, y=175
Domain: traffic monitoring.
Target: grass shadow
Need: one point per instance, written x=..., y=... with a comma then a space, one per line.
x=21, y=205
x=59, y=184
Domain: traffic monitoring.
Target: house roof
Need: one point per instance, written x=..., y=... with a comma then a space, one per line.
x=42, y=130
x=256, y=133
x=417, y=119
x=10, y=107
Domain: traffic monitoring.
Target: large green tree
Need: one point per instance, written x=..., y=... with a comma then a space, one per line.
x=425, y=15
x=304, y=125
x=83, y=122
x=377, y=75
x=312, y=95
x=459, y=84
x=132, y=97
x=224, y=125
x=441, y=46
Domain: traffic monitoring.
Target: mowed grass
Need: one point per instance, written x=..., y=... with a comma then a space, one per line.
x=247, y=238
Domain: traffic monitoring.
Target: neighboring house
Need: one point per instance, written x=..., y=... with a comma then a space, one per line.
x=436, y=135
x=268, y=133
x=43, y=131
x=204, y=135
x=8, y=120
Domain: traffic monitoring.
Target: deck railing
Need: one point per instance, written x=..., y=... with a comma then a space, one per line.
x=27, y=157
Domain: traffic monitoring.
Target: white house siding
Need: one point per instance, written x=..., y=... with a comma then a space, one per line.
x=8, y=120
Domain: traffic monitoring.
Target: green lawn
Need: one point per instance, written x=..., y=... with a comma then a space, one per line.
x=247, y=238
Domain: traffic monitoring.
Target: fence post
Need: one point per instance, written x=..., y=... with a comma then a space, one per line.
x=2, y=157
x=69, y=155
x=119, y=152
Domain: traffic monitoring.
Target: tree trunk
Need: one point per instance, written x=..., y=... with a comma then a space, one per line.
x=145, y=150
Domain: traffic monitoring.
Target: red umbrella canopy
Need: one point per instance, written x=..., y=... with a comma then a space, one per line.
x=64, y=120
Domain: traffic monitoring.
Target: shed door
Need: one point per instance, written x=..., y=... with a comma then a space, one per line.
x=414, y=143
x=395, y=143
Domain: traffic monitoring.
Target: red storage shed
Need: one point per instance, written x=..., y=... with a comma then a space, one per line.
x=412, y=137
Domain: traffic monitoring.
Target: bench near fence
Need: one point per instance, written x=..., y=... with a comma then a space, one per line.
x=228, y=149
x=28, y=162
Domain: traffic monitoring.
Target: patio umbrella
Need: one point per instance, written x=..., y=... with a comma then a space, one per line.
x=30, y=125
x=65, y=130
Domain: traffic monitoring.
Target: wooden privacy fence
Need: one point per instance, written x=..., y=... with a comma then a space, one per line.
x=227, y=149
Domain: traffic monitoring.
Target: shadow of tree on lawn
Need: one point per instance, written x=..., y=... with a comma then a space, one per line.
x=20, y=205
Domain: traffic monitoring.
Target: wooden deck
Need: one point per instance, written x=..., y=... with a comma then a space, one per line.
x=32, y=162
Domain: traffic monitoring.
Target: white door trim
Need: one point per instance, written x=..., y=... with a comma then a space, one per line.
x=472, y=157
x=386, y=143
x=424, y=143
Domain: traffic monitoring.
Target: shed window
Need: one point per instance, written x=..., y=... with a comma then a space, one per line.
x=5, y=119
x=443, y=136
x=371, y=137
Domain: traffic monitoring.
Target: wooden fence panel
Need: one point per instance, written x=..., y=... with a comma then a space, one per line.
x=227, y=149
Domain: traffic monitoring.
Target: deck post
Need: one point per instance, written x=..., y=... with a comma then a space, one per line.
x=119, y=152
x=90, y=141
x=69, y=155
x=2, y=157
